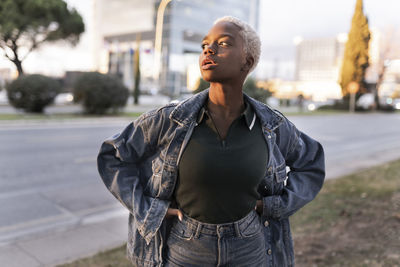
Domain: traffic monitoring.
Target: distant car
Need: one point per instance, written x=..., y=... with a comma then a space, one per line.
x=181, y=98
x=3, y=97
x=396, y=103
x=64, y=99
x=366, y=101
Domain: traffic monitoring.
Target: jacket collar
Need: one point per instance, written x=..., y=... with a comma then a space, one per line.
x=270, y=119
x=186, y=112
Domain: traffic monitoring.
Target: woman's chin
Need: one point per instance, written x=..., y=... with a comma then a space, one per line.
x=211, y=78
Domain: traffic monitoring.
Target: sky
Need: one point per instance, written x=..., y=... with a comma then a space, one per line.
x=280, y=22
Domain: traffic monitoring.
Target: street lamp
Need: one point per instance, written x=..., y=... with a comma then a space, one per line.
x=352, y=87
x=158, y=38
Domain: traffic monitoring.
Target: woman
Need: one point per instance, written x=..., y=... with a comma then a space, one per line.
x=205, y=180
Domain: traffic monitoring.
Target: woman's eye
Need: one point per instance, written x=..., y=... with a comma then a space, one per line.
x=203, y=46
x=223, y=43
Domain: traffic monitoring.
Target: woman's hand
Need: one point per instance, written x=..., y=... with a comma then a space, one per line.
x=259, y=207
x=174, y=212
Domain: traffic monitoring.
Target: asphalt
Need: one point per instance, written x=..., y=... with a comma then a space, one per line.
x=64, y=239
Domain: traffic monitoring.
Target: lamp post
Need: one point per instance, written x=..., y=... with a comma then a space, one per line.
x=158, y=39
x=352, y=88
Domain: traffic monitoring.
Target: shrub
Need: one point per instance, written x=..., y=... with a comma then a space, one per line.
x=201, y=86
x=32, y=93
x=99, y=93
x=251, y=89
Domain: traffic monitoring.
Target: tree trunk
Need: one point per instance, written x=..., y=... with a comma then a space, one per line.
x=18, y=64
x=16, y=60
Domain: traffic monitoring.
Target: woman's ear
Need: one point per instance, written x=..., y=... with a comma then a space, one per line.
x=248, y=64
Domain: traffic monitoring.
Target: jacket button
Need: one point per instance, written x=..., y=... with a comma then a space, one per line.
x=266, y=223
x=269, y=251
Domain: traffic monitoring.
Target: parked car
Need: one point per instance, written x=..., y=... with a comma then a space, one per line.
x=64, y=99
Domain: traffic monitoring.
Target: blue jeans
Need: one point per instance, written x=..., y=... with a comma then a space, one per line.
x=193, y=243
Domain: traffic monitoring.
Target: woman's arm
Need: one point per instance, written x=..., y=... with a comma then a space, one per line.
x=305, y=157
x=118, y=164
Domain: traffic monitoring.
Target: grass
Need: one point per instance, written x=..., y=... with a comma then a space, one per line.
x=111, y=258
x=354, y=221
x=62, y=116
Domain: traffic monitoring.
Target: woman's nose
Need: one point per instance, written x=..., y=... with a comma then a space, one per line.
x=210, y=49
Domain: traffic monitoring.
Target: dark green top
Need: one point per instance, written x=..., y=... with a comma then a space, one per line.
x=218, y=179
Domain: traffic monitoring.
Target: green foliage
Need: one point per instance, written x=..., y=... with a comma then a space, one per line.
x=201, y=86
x=99, y=92
x=30, y=23
x=355, y=60
x=33, y=93
x=251, y=89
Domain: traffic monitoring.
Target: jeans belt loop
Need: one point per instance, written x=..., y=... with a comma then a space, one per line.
x=197, y=230
x=237, y=230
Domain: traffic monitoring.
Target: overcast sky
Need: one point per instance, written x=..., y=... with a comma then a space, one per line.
x=280, y=22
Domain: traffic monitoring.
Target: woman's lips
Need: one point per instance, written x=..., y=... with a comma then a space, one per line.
x=208, y=64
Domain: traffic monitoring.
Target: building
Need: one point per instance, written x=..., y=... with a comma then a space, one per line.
x=126, y=25
x=319, y=59
x=319, y=62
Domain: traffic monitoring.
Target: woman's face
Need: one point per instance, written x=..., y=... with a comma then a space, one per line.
x=222, y=58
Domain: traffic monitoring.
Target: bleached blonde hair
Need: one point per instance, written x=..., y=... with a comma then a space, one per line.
x=252, y=42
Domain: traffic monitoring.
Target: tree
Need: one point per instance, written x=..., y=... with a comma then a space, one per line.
x=355, y=60
x=29, y=23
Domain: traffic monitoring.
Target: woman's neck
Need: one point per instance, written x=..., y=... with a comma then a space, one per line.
x=225, y=101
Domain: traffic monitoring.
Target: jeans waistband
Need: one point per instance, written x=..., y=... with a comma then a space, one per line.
x=191, y=227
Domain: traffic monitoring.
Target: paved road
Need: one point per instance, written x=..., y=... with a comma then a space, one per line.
x=49, y=176
x=49, y=182
x=354, y=141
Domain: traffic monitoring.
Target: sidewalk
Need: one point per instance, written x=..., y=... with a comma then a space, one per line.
x=58, y=246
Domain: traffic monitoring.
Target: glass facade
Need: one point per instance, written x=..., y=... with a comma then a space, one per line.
x=319, y=59
x=185, y=24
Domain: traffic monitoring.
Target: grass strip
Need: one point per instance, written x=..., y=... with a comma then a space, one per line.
x=62, y=116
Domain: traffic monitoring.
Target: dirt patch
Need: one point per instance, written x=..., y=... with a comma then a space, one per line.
x=363, y=231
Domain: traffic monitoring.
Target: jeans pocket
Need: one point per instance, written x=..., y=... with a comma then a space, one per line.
x=251, y=227
x=181, y=230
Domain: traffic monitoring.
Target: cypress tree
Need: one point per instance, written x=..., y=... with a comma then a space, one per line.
x=355, y=60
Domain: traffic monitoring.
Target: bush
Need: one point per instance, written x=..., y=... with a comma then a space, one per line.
x=99, y=93
x=32, y=93
x=201, y=86
x=251, y=89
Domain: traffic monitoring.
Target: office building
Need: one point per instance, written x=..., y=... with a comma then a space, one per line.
x=123, y=24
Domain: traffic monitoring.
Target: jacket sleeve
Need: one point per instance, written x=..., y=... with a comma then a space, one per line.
x=118, y=164
x=305, y=157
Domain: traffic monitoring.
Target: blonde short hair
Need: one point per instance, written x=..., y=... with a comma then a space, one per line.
x=252, y=43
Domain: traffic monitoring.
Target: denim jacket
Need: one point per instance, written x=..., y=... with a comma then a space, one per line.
x=139, y=167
